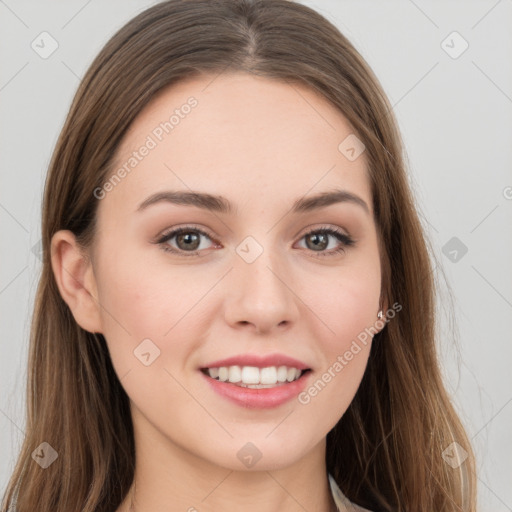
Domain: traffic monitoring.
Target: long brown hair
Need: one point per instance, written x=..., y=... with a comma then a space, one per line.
x=386, y=452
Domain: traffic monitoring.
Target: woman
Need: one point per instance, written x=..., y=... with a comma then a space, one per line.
x=236, y=305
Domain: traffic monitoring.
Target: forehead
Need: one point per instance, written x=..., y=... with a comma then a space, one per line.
x=238, y=135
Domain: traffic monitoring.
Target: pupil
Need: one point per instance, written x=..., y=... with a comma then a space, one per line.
x=319, y=240
x=189, y=237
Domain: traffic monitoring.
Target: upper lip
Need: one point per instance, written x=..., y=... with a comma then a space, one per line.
x=258, y=361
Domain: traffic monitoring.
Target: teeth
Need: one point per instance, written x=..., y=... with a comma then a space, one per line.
x=269, y=375
x=291, y=374
x=235, y=374
x=254, y=377
x=250, y=375
x=282, y=372
x=223, y=373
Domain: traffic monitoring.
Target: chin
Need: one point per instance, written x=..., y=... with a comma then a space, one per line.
x=261, y=452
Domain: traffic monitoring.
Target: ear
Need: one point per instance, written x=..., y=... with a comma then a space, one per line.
x=75, y=279
x=383, y=306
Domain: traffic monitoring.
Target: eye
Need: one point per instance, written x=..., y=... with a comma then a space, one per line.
x=318, y=240
x=187, y=239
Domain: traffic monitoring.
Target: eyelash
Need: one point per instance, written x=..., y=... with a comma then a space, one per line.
x=346, y=241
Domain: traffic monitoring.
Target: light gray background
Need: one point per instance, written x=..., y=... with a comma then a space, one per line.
x=455, y=115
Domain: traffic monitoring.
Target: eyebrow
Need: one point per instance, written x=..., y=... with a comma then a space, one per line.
x=220, y=204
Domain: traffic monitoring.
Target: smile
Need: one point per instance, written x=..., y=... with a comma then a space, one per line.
x=270, y=391
x=253, y=377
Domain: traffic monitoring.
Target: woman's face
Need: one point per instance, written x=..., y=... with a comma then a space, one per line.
x=252, y=276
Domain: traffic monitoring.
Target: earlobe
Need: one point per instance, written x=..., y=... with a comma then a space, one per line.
x=382, y=315
x=75, y=279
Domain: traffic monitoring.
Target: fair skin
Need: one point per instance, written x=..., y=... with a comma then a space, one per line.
x=261, y=145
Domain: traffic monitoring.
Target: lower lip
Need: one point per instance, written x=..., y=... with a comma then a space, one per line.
x=265, y=398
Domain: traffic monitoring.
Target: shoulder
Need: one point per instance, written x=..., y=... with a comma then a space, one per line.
x=342, y=502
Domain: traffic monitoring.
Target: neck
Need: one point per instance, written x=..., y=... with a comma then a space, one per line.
x=169, y=477
x=328, y=506
x=187, y=484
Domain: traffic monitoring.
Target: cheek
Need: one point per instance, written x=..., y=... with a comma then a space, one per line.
x=142, y=300
x=129, y=298
x=345, y=304
x=137, y=291
x=348, y=309
x=132, y=306
x=354, y=309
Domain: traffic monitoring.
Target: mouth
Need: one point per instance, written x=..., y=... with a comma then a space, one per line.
x=253, y=387
x=253, y=377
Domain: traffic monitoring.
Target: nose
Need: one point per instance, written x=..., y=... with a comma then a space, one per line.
x=260, y=296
